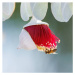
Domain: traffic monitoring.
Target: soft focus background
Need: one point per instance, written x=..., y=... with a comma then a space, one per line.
x=23, y=61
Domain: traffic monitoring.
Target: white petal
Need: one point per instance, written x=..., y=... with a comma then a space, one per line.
x=8, y=9
x=25, y=41
x=25, y=11
x=61, y=11
x=39, y=9
x=56, y=11
x=66, y=11
x=34, y=21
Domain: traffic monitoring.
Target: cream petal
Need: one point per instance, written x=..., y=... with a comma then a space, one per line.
x=25, y=41
x=34, y=21
x=25, y=11
x=66, y=11
x=56, y=11
x=61, y=11
x=39, y=9
x=8, y=9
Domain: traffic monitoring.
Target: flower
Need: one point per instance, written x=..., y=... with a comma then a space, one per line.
x=62, y=11
x=36, y=34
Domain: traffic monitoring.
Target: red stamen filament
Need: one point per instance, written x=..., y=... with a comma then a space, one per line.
x=42, y=36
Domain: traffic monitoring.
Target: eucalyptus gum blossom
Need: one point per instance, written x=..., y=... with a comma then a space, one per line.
x=43, y=38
